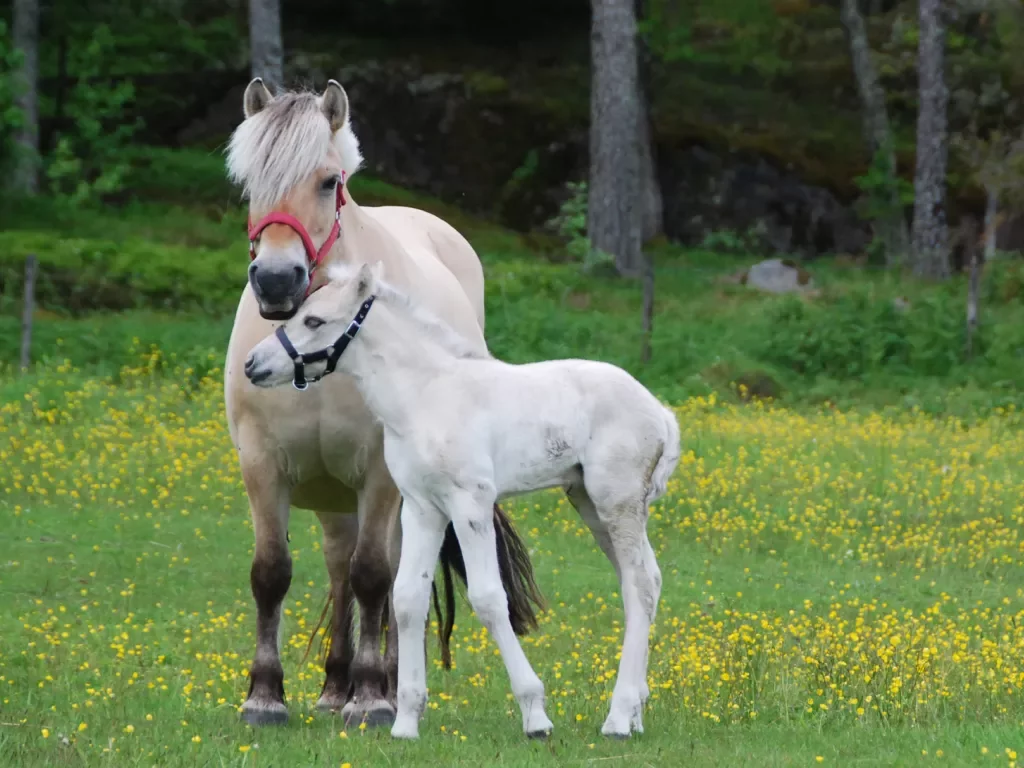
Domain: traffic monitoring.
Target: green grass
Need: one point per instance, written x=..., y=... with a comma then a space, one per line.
x=126, y=623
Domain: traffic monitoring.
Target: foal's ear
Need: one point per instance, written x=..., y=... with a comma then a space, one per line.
x=335, y=105
x=256, y=97
x=366, y=280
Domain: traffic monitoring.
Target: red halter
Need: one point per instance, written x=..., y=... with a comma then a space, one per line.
x=313, y=255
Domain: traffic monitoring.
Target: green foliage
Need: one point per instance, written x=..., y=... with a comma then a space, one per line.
x=883, y=196
x=571, y=226
x=89, y=162
x=862, y=333
x=10, y=115
x=77, y=274
x=730, y=241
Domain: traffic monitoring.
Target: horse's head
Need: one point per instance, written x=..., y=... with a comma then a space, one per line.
x=308, y=346
x=292, y=154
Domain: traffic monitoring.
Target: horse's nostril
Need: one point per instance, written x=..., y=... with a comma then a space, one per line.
x=249, y=363
x=299, y=273
x=252, y=270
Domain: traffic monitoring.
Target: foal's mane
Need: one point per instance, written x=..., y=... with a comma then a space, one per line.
x=434, y=327
x=283, y=144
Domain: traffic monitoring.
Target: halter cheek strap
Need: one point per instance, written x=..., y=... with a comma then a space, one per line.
x=314, y=255
x=331, y=354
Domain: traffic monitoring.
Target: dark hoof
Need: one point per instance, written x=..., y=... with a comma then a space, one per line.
x=381, y=714
x=330, y=705
x=539, y=735
x=264, y=715
x=617, y=736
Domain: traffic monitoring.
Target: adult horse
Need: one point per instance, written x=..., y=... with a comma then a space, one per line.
x=321, y=449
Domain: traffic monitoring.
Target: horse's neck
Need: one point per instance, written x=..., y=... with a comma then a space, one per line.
x=391, y=360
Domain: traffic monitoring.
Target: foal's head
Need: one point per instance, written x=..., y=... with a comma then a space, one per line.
x=319, y=324
x=292, y=154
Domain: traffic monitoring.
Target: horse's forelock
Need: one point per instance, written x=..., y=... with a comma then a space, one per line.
x=282, y=145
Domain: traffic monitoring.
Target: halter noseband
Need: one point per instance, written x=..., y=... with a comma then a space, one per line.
x=332, y=354
x=313, y=256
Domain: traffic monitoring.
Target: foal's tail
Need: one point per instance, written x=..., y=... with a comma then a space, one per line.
x=668, y=460
x=524, y=597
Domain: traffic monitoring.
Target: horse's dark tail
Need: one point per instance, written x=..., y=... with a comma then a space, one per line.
x=524, y=597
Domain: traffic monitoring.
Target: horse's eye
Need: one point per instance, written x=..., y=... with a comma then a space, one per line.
x=329, y=184
x=312, y=322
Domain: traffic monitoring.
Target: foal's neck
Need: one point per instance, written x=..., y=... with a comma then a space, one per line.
x=391, y=359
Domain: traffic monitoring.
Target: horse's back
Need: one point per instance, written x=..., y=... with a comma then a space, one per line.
x=427, y=238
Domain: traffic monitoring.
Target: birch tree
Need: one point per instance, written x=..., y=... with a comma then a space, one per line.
x=931, y=235
x=26, y=41
x=891, y=227
x=266, y=49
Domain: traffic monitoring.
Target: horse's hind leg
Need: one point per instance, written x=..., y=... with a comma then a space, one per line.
x=370, y=575
x=473, y=518
x=621, y=521
x=340, y=535
x=270, y=577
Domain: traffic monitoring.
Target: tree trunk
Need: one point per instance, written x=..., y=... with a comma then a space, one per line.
x=991, y=223
x=266, y=49
x=650, y=186
x=648, y=310
x=931, y=237
x=891, y=229
x=615, y=208
x=974, y=283
x=26, y=40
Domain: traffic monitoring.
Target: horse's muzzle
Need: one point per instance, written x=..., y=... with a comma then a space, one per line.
x=279, y=291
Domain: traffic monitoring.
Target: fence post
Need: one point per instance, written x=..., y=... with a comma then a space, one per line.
x=27, y=310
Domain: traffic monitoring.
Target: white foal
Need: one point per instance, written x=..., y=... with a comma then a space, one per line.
x=462, y=430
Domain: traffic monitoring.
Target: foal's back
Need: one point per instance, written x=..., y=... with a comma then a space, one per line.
x=540, y=424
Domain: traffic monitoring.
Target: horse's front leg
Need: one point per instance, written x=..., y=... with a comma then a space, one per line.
x=370, y=575
x=270, y=576
x=340, y=534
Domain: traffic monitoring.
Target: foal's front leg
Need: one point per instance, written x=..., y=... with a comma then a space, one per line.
x=422, y=534
x=473, y=519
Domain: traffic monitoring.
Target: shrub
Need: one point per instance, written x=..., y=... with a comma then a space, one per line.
x=77, y=274
x=860, y=333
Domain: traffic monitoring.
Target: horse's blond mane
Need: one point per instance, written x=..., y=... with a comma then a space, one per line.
x=283, y=144
x=434, y=327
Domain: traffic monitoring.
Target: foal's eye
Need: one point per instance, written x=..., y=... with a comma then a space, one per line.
x=312, y=322
x=329, y=184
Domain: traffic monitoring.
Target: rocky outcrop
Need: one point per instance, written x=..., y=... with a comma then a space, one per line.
x=474, y=142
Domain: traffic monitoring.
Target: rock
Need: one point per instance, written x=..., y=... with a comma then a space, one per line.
x=779, y=276
x=494, y=154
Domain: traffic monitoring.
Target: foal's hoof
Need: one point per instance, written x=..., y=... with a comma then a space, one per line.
x=538, y=735
x=375, y=714
x=264, y=713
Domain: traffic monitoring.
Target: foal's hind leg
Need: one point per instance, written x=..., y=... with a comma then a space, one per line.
x=620, y=525
x=473, y=519
x=270, y=577
x=340, y=534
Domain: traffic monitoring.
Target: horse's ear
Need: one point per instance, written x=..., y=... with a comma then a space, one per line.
x=256, y=97
x=335, y=105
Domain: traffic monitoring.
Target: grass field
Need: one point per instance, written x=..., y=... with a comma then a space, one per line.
x=839, y=588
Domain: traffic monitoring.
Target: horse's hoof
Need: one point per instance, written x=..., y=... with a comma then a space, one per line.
x=330, y=704
x=375, y=714
x=264, y=714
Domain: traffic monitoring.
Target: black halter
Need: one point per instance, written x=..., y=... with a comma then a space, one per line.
x=332, y=354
